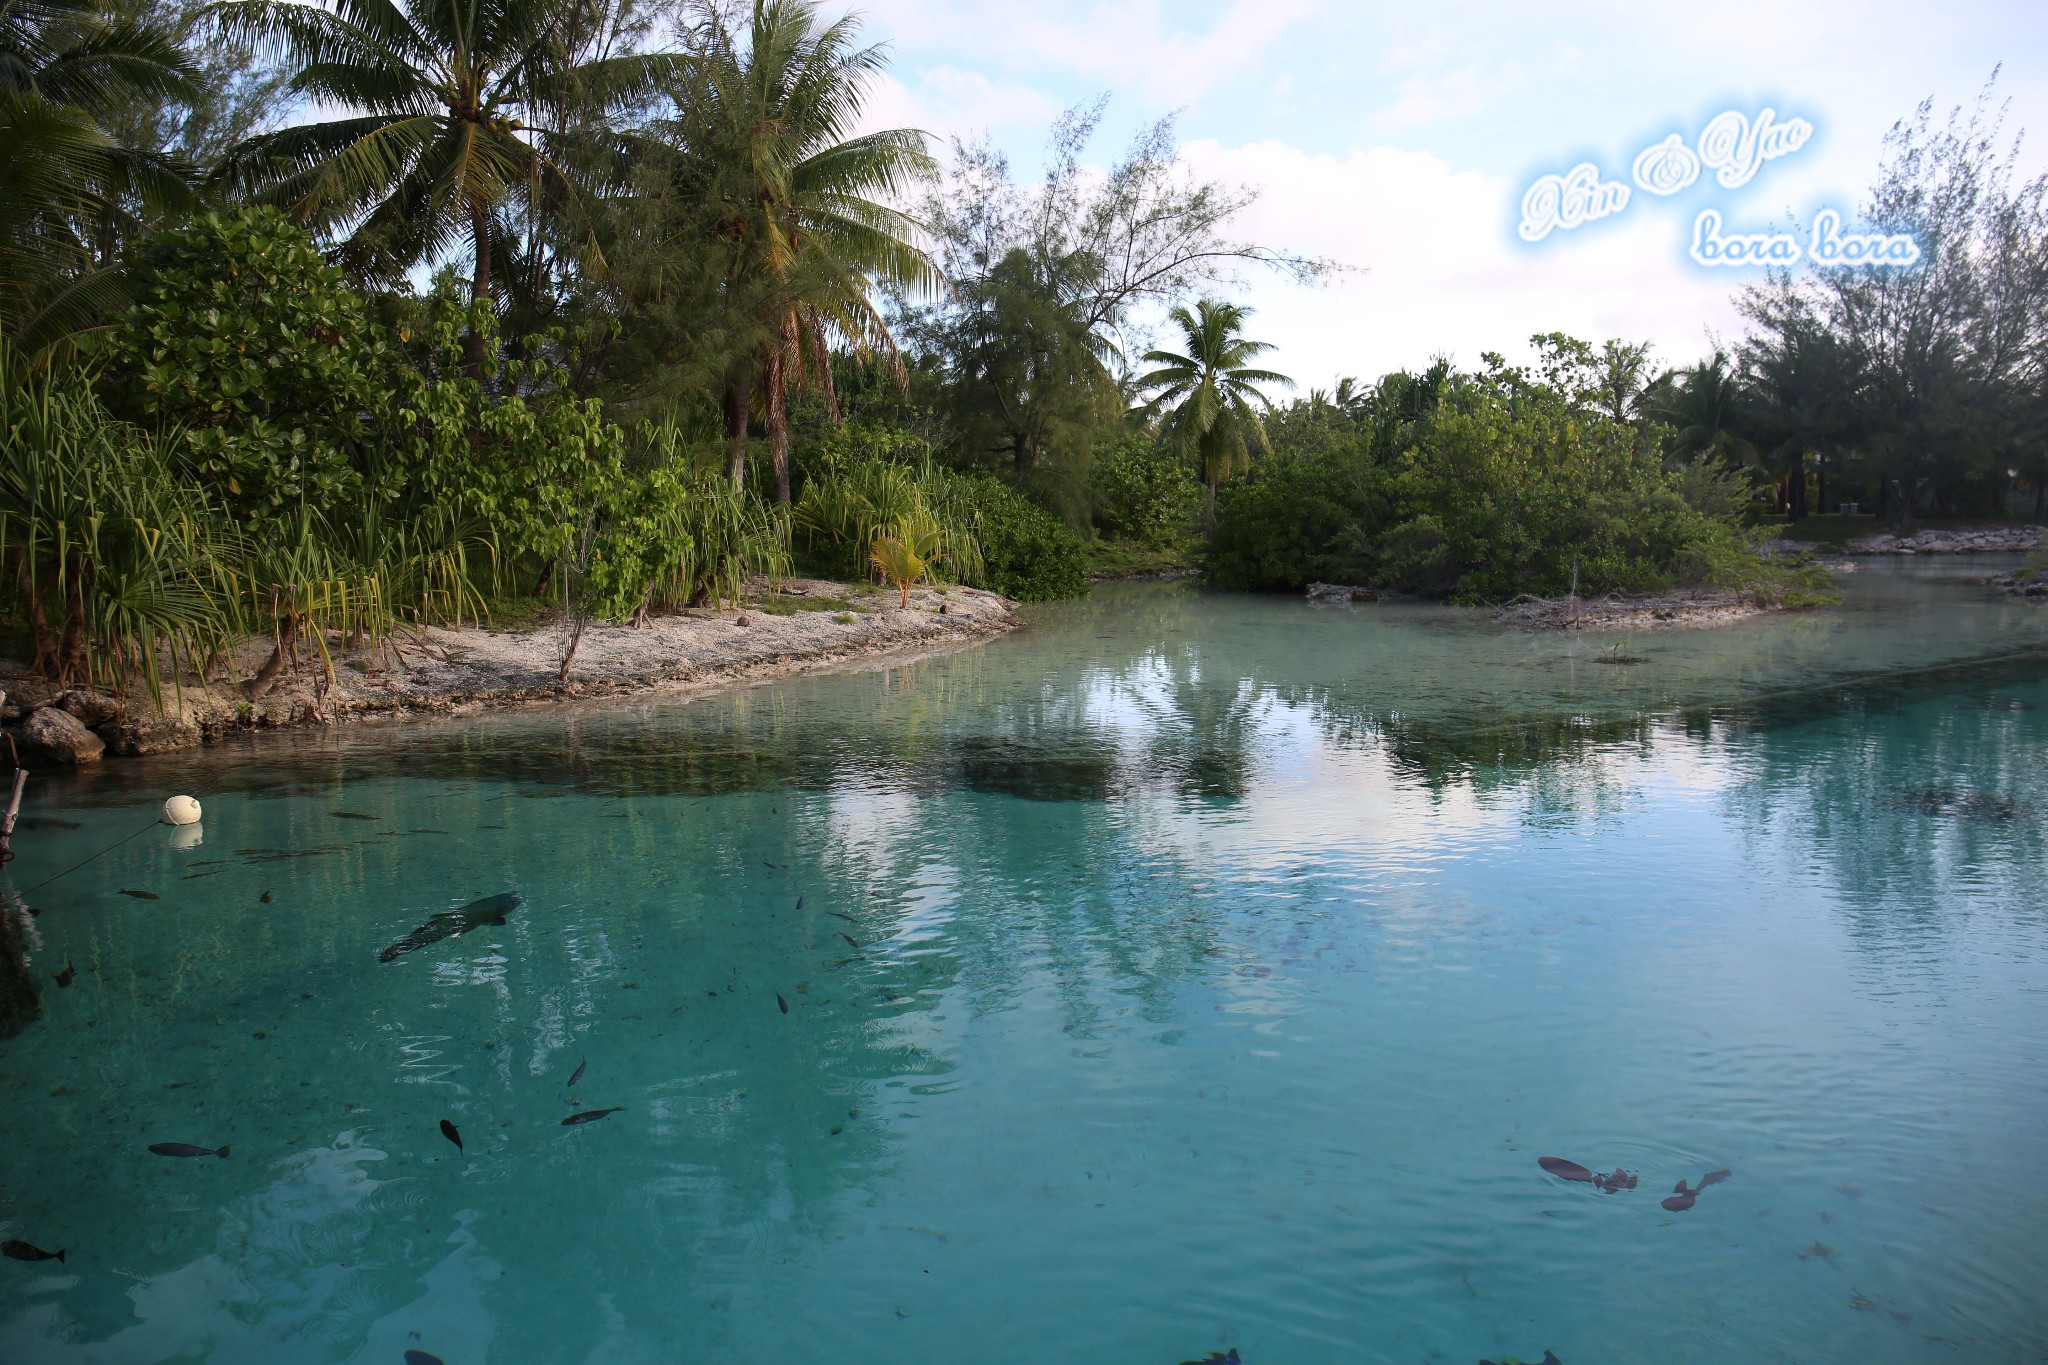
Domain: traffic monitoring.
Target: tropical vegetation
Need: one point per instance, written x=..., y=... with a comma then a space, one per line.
x=322, y=321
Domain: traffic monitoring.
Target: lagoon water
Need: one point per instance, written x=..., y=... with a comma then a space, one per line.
x=1183, y=973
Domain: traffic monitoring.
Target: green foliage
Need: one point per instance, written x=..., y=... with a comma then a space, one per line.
x=1143, y=493
x=1290, y=524
x=254, y=352
x=1027, y=552
x=115, y=560
x=844, y=511
x=1479, y=488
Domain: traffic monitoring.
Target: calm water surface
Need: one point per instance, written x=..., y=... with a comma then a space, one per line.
x=1184, y=972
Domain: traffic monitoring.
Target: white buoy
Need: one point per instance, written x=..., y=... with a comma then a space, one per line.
x=181, y=810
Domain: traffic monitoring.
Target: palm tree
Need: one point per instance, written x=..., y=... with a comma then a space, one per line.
x=1214, y=392
x=69, y=193
x=456, y=113
x=1703, y=405
x=798, y=205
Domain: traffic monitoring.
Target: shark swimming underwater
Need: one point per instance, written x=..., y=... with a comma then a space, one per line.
x=447, y=924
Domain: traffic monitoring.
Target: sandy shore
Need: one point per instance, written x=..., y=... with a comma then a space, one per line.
x=806, y=626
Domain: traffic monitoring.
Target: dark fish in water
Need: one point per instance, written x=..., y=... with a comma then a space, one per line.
x=352, y=815
x=141, y=895
x=1567, y=1170
x=47, y=822
x=592, y=1115
x=850, y=943
x=1549, y=1358
x=840, y=915
x=447, y=924
x=22, y=1251
x=423, y=1358
x=1713, y=1178
x=780, y=1003
x=1229, y=1357
x=799, y=902
x=265, y=898
x=185, y=1149
x=1682, y=1200
x=577, y=1075
x=452, y=1133
x=64, y=977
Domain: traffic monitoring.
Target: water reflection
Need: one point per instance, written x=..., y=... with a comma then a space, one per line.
x=1180, y=951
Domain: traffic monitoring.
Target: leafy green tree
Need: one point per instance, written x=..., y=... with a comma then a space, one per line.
x=1212, y=390
x=70, y=193
x=252, y=353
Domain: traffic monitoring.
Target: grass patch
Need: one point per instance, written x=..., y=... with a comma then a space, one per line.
x=1122, y=559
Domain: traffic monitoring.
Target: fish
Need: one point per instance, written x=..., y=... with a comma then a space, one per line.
x=64, y=978
x=850, y=942
x=352, y=815
x=475, y=915
x=577, y=1074
x=1682, y=1200
x=1549, y=1358
x=592, y=1115
x=141, y=895
x=780, y=1003
x=265, y=898
x=799, y=902
x=452, y=1133
x=837, y=914
x=48, y=822
x=423, y=1358
x=185, y=1149
x=1619, y=1180
x=1567, y=1170
x=22, y=1251
x=1229, y=1357
x=1713, y=1178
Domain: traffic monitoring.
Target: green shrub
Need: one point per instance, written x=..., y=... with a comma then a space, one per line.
x=257, y=353
x=1143, y=493
x=1026, y=552
x=1291, y=523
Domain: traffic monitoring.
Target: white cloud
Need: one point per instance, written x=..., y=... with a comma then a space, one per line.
x=1438, y=271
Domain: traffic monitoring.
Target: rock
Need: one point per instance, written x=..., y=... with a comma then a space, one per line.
x=138, y=735
x=56, y=736
x=93, y=709
x=1340, y=592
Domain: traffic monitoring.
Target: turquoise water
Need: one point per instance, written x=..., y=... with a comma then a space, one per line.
x=1183, y=973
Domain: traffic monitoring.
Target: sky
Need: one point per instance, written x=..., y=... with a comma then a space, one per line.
x=1399, y=140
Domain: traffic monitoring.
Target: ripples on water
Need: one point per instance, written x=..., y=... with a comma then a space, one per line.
x=1183, y=973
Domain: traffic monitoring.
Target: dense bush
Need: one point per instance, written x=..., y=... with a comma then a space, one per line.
x=1143, y=493
x=1482, y=488
x=1291, y=523
x=255, y=352
x=1027, y=552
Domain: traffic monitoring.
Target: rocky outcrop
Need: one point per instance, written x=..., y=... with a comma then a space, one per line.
x=1986, y=540
x=56, y=736
x=1341, y=592
x=92, y=709
x=134, y=736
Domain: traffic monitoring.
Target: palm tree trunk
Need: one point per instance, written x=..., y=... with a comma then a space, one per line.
x=738, y=403
x=480, y=282
x=776, y=376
